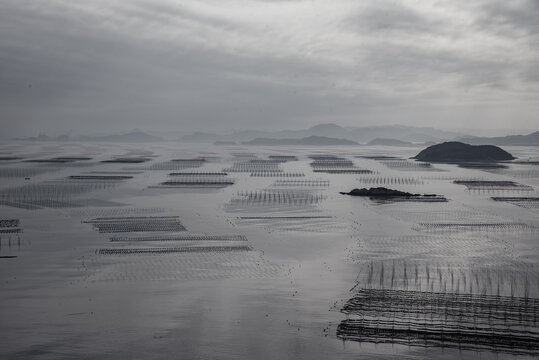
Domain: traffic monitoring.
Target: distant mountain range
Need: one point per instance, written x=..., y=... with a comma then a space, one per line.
x=323, y=134
x=357, y=134
x=134, y=136
x=311, y=140
x=511, y=140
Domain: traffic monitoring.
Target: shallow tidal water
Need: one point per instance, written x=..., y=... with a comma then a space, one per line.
x=253, y=253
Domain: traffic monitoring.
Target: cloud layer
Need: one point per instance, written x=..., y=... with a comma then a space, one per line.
x=166, y=65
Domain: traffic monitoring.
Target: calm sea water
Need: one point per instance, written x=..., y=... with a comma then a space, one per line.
x=277, y=291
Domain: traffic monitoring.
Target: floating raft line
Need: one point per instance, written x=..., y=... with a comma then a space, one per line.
x=492, y=185
x=139, y=227
x=10, y=231
x=509, y=198
x=283, y=217
x=438, y=319
x=198, y=174
x=137, y=224
x=130, y=218
x=276, y=174
x=182, y=238
x=119, y=172
x=199, y=249
x=442, y=336
x=195, y=183
x=379, y=157
x=100, y=177
x=503, y=225
x=9, y=222
x=342, y=171
x=194, y=186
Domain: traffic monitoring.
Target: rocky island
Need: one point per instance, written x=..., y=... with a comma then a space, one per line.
x=385, y=193
x=455, y=152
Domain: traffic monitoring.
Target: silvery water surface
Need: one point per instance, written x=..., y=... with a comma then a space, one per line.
x=262, y=261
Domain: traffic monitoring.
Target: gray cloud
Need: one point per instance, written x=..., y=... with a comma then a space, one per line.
x=96, y=65
x=510, y=18
x=385, y=17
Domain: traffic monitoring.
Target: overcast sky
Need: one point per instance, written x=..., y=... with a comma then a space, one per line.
x=161, y=65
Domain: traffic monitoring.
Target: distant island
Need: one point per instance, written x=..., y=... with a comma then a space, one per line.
x=389, y=142
x=511, y=140
x=311, y=140
x=454, y=152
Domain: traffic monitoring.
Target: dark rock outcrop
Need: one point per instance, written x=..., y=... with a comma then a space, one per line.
x=379, y=192
x=389, y=195
x=455, y=152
